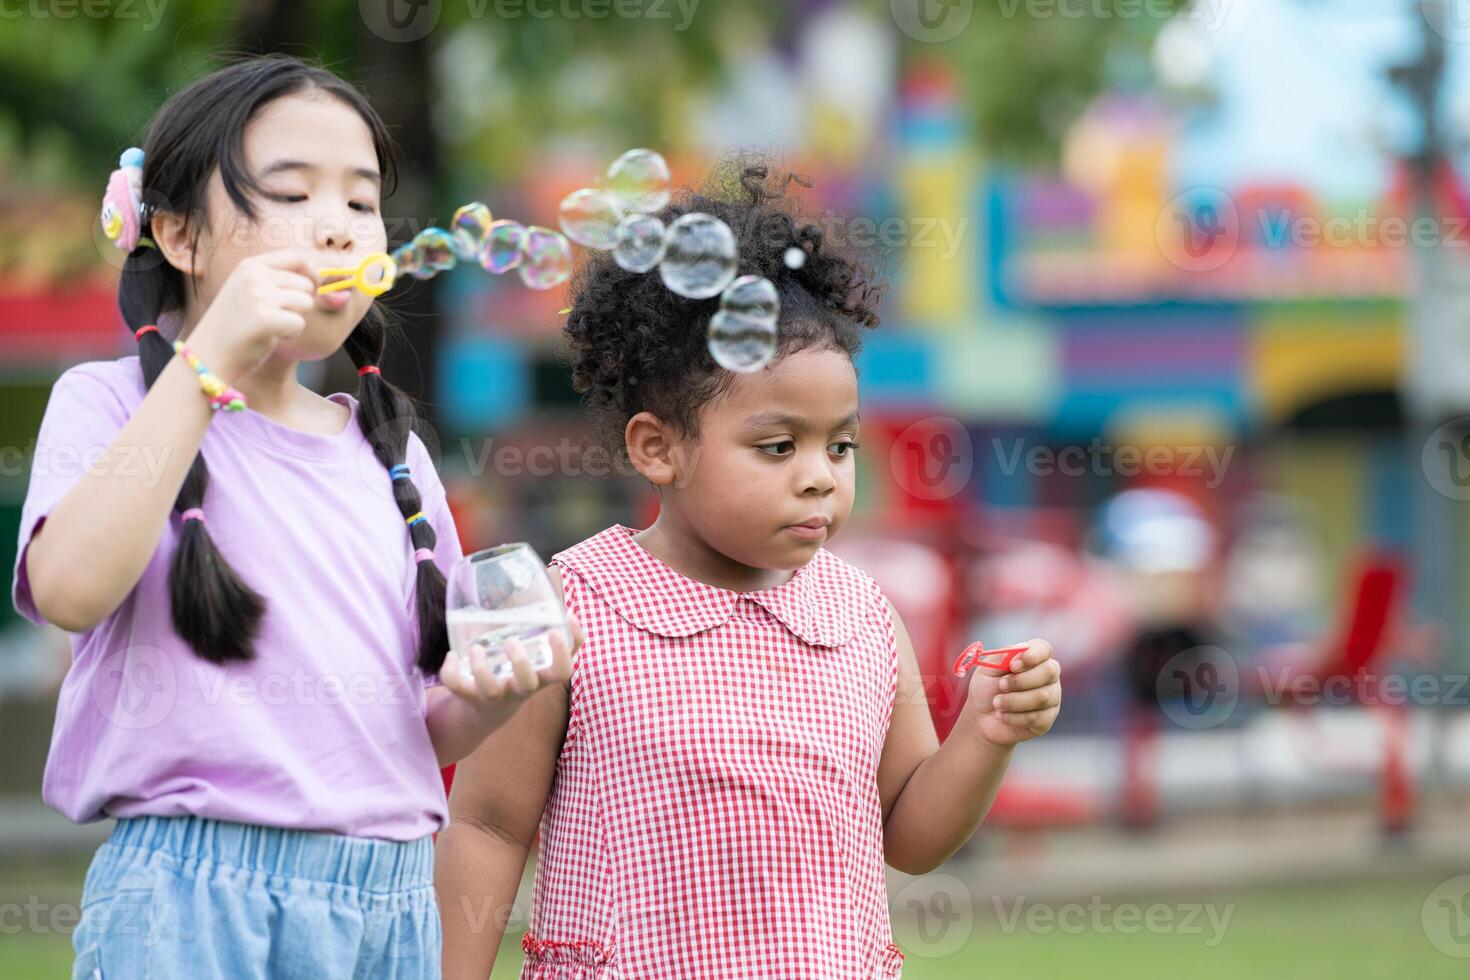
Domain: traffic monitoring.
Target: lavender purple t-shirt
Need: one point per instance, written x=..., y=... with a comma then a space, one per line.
x=325, y=728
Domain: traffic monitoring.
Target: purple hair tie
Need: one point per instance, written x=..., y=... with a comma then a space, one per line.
x=423, y=554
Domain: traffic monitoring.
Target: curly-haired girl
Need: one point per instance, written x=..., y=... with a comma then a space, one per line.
x=744, y=740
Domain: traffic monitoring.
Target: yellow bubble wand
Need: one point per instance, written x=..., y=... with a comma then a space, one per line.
x=361, y=276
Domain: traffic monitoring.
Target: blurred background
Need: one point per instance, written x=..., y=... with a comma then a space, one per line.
x=1174, y=372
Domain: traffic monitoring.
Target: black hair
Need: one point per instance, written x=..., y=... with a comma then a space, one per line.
x=198, y=130
x=636, y=346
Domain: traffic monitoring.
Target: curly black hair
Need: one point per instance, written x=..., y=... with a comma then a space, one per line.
x=637, y=346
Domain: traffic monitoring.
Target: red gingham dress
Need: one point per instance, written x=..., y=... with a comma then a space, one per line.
x=715, y=808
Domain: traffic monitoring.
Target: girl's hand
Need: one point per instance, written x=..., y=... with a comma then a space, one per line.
x=263, y=302
x=489, y=693
x=1019, y=705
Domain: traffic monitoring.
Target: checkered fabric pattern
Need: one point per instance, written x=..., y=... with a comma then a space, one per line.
x=715, y=810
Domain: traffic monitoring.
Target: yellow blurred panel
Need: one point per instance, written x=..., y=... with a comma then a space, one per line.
x=1298, y=360
x=937, y=195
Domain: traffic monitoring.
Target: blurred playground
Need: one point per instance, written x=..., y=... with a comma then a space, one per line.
x=1174, y=372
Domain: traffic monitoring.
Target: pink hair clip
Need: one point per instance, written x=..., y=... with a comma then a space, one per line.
x=122, y=204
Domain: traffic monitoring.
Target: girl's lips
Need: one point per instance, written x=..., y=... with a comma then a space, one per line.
x=807, y=533
x=333, y=302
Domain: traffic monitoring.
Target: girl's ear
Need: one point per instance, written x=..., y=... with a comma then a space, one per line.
x=173, y=236
x=655, y=451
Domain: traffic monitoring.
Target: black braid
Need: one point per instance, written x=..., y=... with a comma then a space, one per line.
x=387, y=418
x=214, y=610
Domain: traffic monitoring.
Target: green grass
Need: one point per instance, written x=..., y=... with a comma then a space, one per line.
x=1350, y=932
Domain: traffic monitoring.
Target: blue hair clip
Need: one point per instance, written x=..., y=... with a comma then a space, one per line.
x=399, y=472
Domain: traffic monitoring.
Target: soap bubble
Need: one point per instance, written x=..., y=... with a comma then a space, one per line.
x=752, y=297
x=408, y=260
x=699, y=256
x=547, y=258
x=470, y=223
x=794, y=257
x=640, y=242
x=590, y=217
x=436, y=249
x=741, y=343
x=639, y=181
x=501, y=251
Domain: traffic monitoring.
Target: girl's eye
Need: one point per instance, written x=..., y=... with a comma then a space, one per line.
x=842, y=448
x=288, y=198
x=364, y=207
x=777, y=448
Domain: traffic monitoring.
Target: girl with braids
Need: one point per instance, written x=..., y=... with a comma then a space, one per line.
x=744, y=740
x=254, y=574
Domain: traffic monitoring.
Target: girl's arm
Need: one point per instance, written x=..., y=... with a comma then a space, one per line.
x=934, y=796
x=97, y=540
x=495, y=807
x=462, y=712
x=92, y=549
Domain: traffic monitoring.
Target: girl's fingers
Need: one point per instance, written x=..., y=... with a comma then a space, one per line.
x=296, y=299
x=1044, y=673
x=523, y=674
x=294, y=282
x=289, y=260
x=487, y=685
x=451, y=677
x=1038, y=651
x=1035, y=721
x=286, y=323
x=560, y=667
x=1046, y=697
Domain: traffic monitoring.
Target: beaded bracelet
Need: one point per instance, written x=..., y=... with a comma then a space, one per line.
x=221, y=396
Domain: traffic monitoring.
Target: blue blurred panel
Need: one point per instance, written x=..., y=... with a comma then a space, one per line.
x=1002, y=479
x=894, y=369
x=484, y=382
x=1391, y=505
x=1085, y=411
